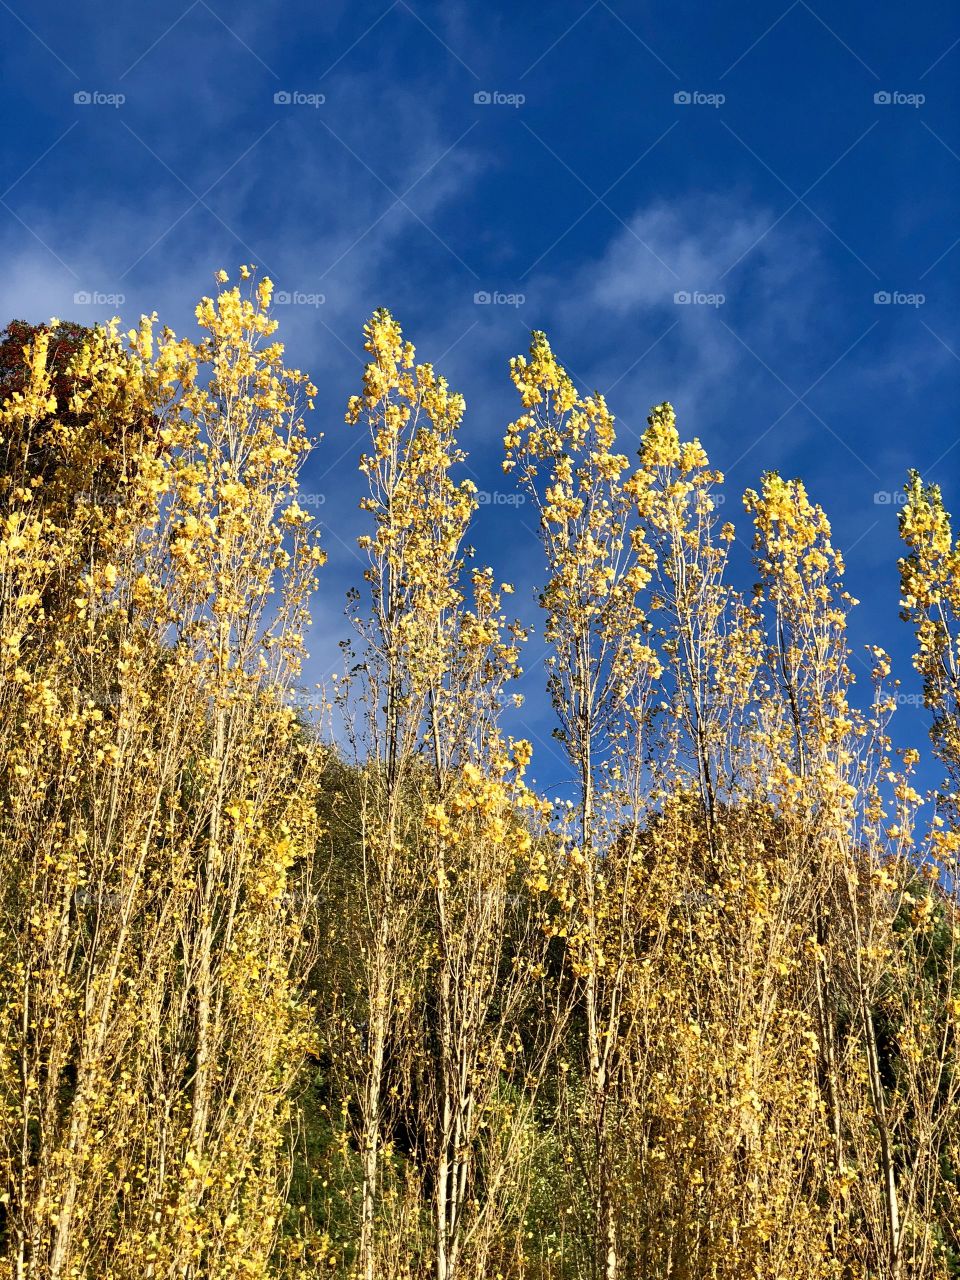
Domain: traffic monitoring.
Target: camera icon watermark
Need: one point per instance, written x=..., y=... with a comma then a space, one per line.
x=894, y=98
x=889, y=498
x=494, y=98
x=297, y=298
x=97, y=98
x=297, y=98
x=94, y=298
x=895, y=298
x=695, y=298
x=494, y=298
x=694, y=98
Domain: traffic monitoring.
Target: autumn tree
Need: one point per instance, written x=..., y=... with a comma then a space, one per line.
x=157, y=802
x=601, y=668
x=448, y=950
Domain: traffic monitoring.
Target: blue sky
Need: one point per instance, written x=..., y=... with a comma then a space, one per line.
x=582, y=164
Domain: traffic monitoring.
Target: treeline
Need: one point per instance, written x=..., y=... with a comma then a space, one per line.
x=340, y=994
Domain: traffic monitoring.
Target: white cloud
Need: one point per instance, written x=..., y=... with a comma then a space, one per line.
x=673, y=246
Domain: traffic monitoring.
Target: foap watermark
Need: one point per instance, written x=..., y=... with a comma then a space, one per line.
x=97, y=98
x=496, y=98
x=94, y=298
x=493, y=298
x=497, y=498
x=890, y=498
x=98, y=901
x=695, y=98
x=106, y=701
x=695, y=298
x=311, y=499
x=894, y=298
x=98, y=498
x=298, y=98
x=297, y=298
x=894, y=98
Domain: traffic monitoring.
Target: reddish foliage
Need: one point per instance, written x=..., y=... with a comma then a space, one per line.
x=67, y=338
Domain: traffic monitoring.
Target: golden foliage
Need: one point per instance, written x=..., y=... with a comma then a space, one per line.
x=376, y=1008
